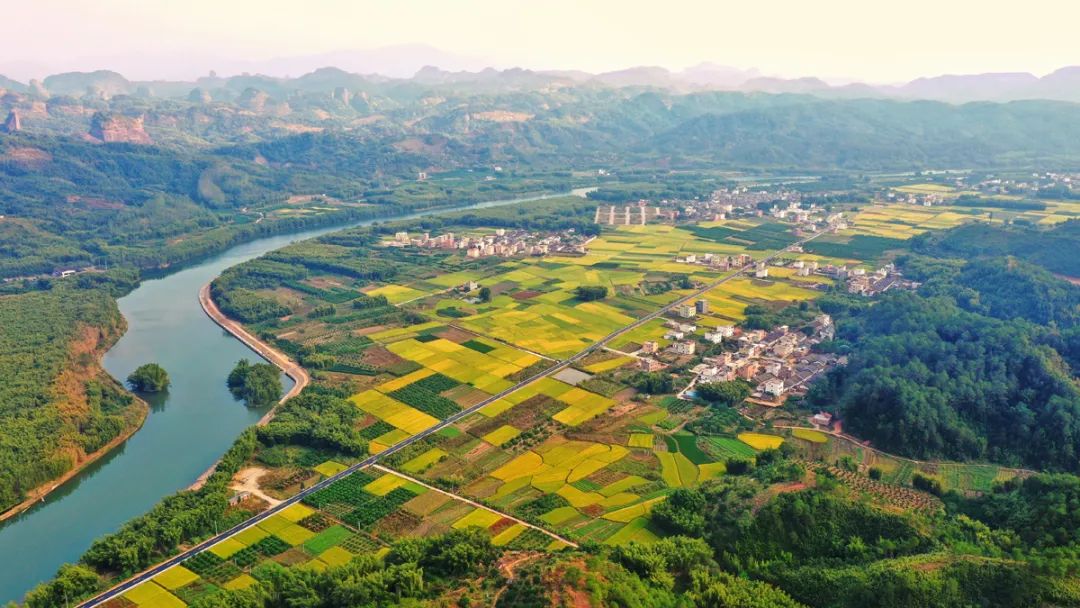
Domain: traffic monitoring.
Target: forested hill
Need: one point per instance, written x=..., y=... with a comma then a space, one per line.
x=979, y=366
x=56, y=405
x=875, y=134
x=1056, y=249
x=216, y=172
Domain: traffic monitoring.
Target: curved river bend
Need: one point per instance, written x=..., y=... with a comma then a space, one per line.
x=186, y=431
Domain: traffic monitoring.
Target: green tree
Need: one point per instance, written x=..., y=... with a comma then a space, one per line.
x=653, y=383
x=589, y=293
x=257, y=384
x=149, y=378
x=485, y=294
x=726, y=393
x=682, y=513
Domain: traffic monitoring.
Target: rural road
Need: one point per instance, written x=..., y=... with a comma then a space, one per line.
x=282, y=361
x=291, y=368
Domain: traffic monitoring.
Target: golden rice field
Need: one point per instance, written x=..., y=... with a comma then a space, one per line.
x=761, y=441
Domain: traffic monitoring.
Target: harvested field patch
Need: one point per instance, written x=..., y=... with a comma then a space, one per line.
x=761, y=441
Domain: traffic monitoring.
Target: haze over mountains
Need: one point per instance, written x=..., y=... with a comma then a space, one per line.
x=426, y=65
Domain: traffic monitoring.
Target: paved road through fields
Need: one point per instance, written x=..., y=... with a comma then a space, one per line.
x=370, y=460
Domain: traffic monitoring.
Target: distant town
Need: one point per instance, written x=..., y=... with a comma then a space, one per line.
x=501, y=243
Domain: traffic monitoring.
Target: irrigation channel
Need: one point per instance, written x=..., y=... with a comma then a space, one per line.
x=187, y=430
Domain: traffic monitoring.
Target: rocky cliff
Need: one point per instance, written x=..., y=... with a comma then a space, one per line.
x=110, y=128
x=12, y=124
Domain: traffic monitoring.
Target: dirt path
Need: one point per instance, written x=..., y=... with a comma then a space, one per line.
x=506, y=567
x=475, y=504
x=247, y=480
x=291, y=368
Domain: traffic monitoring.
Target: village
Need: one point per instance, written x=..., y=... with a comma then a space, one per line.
x=776, y=363
x=724, y=204
x=501, y=243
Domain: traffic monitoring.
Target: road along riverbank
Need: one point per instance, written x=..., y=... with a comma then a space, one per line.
x=187, y=430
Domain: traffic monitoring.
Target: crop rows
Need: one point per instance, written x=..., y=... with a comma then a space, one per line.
x=436, y=383
x=348, y=491
x=212, y=568
x=379, y=428
x=426, y=401
x=900, y=496
x=246, y=557
x=359, y=543
x=271, y=546
x=373, y=508
x=530, y=539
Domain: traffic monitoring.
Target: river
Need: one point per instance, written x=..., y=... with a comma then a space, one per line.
x=187, y=429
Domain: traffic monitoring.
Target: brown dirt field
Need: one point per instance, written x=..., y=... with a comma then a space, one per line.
x=466, y=396
x=323, y=282
x=396, y=524
x=456, y=335
x=502, y=287
x=480, y=426
x=525, y=295
x=593, y=511
x=430, y=528
x=373, y=329
x=604, y=477
x=291, y=557
x=478, y=451
x=377, y=356
x=482, y=488
x=528, y=413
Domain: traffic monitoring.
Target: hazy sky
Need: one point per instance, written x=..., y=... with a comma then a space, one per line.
x=877, y=40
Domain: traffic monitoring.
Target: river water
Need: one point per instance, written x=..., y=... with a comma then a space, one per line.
x=186, y=431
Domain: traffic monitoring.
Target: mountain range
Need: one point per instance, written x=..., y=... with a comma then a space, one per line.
x=398, y=65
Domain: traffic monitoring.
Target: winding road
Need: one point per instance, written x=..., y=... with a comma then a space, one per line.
x=286, y=365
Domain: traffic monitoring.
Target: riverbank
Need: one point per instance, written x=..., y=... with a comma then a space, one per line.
x=98, y=342
x=292, y=369
x=39, y=493
x=188, y=429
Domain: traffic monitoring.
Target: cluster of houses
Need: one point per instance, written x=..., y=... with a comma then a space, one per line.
x=777, y=363
x=922, y=199
x=863, y=283
x=716, y=261
x=1027, y=185
x=732, y=198
x=722, y=204
x=501, y=243
x=857, y=280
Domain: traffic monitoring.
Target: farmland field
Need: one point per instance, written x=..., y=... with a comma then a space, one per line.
x=409, y=348
x=761, y=441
